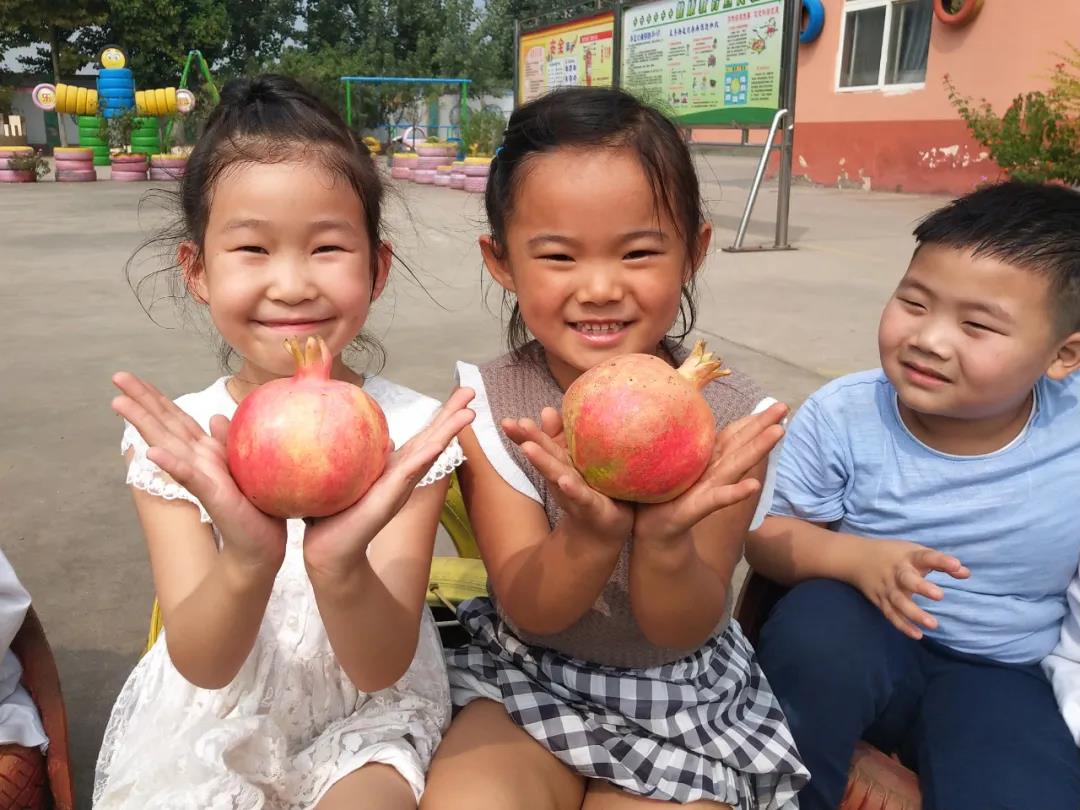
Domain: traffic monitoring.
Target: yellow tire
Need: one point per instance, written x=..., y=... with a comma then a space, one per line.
x=61, y=98
x=80, y=101
x=91, y=102
x=170, y=100
x=162, y=102
x=151, y=103
x=140, y=102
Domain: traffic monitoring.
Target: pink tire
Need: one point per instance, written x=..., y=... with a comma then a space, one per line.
x=406, y=161
x=442, y=180
x=433, y=162
x=477, y=169
x=401, y=173
x=163, y=162
x=131, y=167
x=17, y=175
x=424, y=150
x=457, y=180
x=10, y=153
x=76, y=176
x=165, y=174
x=128, y=177
x=128, y=158
x=69, y=164
x=477, y=185
x=423, y=176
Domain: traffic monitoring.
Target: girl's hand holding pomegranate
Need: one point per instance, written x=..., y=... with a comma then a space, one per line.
x=197, y=461
x=739, y=448
x=545, y=447
x=333, y=546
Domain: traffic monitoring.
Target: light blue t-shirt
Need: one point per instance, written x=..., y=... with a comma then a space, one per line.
x=1012, y=516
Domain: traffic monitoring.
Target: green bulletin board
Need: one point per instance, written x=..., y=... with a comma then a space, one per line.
x=706, y=62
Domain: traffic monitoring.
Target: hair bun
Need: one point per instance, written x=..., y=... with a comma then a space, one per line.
x=266, y=88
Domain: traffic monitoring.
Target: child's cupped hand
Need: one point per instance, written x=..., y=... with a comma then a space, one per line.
x=197, y=461
x=893, y=571
x=739, y=448
x=544, y=445
x=332, y=545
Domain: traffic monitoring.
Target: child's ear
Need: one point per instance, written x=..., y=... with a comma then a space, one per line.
x=193, y=270
x=496, y=263
x=383, y=258
x=704, y=239
x=1067, y=359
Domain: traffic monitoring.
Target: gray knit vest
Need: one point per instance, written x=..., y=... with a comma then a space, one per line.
x=522, y=386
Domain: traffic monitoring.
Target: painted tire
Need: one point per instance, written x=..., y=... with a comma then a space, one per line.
x=430, y=162
x=815, y=21
x=477, y=169
x=87, y=121
x=966, y=14
x=76, y=176
x=74, y=165
x=424, y=177
x=476, y=185
x=401, y=172
x=166, y=174
x=114, y=85
x=430, y=150
x=115, y=73
x=457, y=180
x=129, y=159
x=17, y=176
x=167, y=162
x=144, y=142
x=71, y=152
x=442, y=180
x=128, y=177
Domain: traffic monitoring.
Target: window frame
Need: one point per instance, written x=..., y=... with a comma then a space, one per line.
x=883, y=64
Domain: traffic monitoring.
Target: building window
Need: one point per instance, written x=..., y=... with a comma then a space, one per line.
x=885, y=42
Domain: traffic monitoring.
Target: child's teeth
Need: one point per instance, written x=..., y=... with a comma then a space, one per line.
x=600, y=328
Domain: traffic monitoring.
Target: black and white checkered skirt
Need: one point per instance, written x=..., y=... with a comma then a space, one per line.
x=705, y=727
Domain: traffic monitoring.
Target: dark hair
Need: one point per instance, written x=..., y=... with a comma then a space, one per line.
x=1032, y=226
x=606, y=118
x=268, y=119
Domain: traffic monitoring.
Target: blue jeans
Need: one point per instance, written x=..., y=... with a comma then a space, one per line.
x=981, y=735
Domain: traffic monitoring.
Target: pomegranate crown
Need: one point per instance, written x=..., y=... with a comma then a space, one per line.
x=313, y=360
x=701, y=368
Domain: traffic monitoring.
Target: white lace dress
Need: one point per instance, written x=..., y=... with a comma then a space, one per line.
x=291, y=723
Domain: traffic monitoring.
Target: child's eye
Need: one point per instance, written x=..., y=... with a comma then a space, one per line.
x=556, y=257
x=252, y=249
x=640, y=254
x=981, y=327
x=328, y=248
x=912, y=304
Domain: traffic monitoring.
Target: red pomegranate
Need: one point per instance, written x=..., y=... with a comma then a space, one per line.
x=638, y=429
x=307, y=446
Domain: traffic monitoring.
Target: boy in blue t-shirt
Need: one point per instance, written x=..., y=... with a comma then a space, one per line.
x=927, y=514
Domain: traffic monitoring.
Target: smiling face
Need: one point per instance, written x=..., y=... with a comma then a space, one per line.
x=596, y=269
x=286, y=253
x=967, y=337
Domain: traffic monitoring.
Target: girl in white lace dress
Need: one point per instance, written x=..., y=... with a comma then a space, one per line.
x=299, y=667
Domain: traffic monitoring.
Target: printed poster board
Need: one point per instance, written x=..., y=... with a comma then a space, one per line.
x=705, y=62
x=578, y=53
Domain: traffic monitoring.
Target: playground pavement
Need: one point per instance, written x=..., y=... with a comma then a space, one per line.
x=792, y=319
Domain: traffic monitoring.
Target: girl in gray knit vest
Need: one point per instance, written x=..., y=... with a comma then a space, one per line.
x=603, y=671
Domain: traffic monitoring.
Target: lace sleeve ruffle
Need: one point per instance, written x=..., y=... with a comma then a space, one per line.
x=147, y=476
x=449, y=460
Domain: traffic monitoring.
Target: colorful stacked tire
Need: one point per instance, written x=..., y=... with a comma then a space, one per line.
x=116, y=91
x=145, y=138
x=425, y=177
x=431, y=150
x=167, y=167
x=11, y=174
x=90, y=135
x=159, y=101
x=430, y=161
x=74, y=164
x=457, y=174
x=442, y=176
x=476, y=174
x=401, y=166
x=76, y=100
x=129, y=168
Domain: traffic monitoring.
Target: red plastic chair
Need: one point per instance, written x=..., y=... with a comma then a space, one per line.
x=29, y=780
x=876, y=781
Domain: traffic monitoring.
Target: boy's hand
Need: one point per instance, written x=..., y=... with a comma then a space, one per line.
x=545, y=447
x=894, y=570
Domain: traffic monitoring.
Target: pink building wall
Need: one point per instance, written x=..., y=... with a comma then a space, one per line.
x=913, y=140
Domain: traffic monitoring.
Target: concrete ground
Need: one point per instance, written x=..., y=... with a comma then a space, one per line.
x=791, y=319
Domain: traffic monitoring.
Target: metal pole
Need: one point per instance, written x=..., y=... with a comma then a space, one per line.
x=348, y=103
x=792, y=21
x=616, y=47
x=765, y=154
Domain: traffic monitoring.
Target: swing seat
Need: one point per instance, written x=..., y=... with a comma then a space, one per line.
x=876, y=781
x=452, y=581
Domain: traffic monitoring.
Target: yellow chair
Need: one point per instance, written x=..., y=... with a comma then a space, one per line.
x=452, y=580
